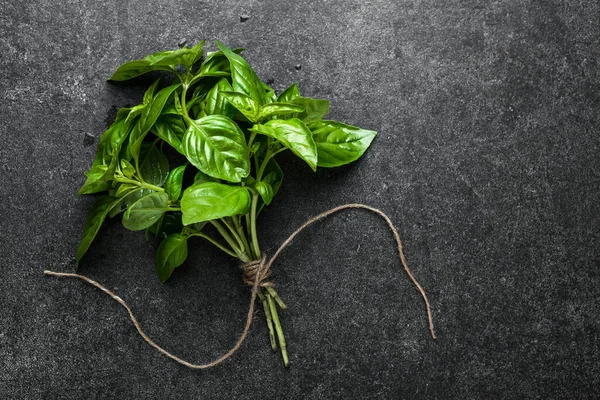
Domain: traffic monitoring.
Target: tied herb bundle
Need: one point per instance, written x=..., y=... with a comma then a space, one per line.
x=201, y=152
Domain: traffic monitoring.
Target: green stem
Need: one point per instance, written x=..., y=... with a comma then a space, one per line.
x=239, y=253
x=234, y=234
x=255, y=245
x=279, y=330
x=274, y=294
x=265, y=304
x=183, y=98
x=240, y=230
x=251, y=140
x=261, y=170
x=143, y=185
x=213, y=241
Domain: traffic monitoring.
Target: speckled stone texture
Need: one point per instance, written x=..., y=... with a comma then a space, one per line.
x=487, y=159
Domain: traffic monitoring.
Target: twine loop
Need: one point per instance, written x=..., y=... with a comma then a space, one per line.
x=257, y=272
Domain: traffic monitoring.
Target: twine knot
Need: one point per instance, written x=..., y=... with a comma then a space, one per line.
x=257, y=272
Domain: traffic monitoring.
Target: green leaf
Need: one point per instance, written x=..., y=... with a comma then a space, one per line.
x=160, y=61
x=149, y=95
x=93, y=222
x=127, y=169
x=216, y=64
x=294, y=135
x=245, y=104
x=202, y=177
x=135, y=68
x=155, y=167
x=156, y=107
x=171, y=253
x=125, y=188
x=210, y=200
x=217, y=146
x=314, y=109
x=175, y=182
x=243, y=77
x=215, y=102
x=273, y=175
x=106, y=158
x=136, y=111
x=265, y=190
x=127, y=200
x=171, y=129
x=146, y=211
x=273, y=109
x=148, y=119
x=270, y=95
x=338, y=143
x=289, y=94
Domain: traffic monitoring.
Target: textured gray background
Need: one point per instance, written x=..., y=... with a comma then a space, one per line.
x=487, y=159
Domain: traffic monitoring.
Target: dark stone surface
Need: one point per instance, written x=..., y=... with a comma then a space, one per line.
x=487, y=159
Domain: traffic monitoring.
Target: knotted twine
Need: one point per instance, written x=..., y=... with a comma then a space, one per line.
x=256, y=274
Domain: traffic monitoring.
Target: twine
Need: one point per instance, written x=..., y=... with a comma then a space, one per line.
x=256, y=274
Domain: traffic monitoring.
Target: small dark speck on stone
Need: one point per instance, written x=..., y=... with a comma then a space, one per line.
x=298, y=67
x=182, y=42
x=88, y=140
x=270, y=81
x=244, y=17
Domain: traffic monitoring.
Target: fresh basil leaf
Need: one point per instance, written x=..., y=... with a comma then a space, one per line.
x=215, y=102
x=216, y=64
x=174, y=183
x=270, y=95
x=93, y=222
x=171, y=129
x=147, y=120
x=217, y=146
x=146, y=211
x=127, y=169
x=289, y=94
x=273, y=175
x=273, y=109
x=314, y=109
x=122, y=113
x=155, y=167
x=96, y=172
x=338, y=143
x=265, y=190
x=294, y=135
x=185, y=56
x=160, y=61
x=127, y=200
x=106, y=157
x=149, y=95
x=156, y=107
x=125, y=188
x=243, y=103
x=171, y=253
x=136, y=68
x=210, y=200
x=202, y=177
x=136, y=111
x=243, y=77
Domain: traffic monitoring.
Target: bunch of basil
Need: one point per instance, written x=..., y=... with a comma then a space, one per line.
x=228, y=126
